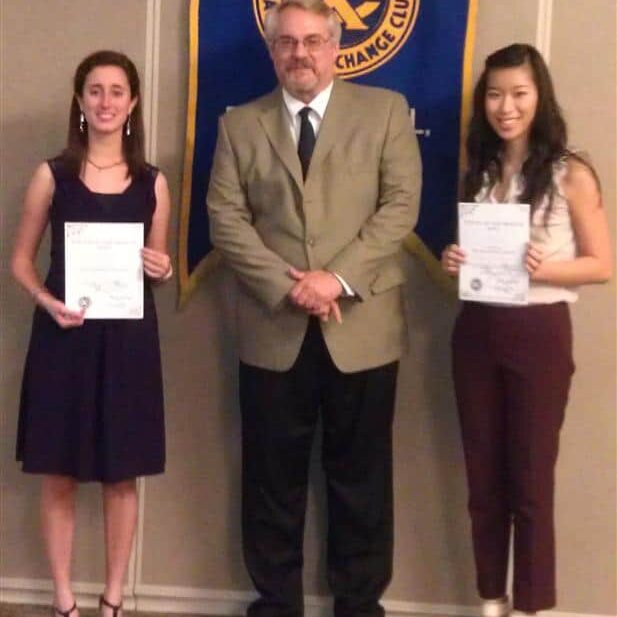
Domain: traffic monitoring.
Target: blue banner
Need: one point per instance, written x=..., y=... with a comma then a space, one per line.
x=421, y=48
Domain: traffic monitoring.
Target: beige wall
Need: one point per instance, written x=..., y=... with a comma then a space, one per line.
x=584, y=66
x=189, y=546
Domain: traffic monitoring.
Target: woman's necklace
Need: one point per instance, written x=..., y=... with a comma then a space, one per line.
x=104, y=167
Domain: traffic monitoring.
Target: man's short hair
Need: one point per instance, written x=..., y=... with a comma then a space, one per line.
x=317, y=7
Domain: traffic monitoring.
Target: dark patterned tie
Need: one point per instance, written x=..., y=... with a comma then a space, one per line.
x=306, y=143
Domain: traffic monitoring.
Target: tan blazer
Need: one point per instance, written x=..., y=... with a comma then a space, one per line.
x=359, y=201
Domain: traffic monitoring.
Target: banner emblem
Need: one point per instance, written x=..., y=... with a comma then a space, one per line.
x=373, y=31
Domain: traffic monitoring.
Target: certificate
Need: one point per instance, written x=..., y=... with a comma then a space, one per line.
x=104, y=269
x=494, y=238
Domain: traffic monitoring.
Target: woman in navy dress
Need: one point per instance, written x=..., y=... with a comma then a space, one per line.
x=92, y=399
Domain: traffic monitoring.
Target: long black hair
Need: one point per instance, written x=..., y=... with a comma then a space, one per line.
x=547, y=137
x=133, y=149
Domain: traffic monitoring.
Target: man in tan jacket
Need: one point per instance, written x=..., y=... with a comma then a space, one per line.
x=313, y=189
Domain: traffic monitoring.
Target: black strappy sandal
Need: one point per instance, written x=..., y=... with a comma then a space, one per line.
x=114, y=607
x=56, y=611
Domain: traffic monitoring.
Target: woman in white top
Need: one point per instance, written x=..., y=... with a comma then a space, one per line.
x=512, y=365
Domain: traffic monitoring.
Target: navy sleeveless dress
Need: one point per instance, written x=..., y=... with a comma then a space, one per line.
x=92, y=397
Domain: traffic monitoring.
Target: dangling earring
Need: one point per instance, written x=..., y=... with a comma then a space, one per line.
x=128, y=125
x=82, y=122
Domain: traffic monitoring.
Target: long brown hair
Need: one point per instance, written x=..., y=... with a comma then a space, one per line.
x=547, y=138
x=133, y=148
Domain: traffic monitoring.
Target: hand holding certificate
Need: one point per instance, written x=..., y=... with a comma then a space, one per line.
x=104, y=269
x=494, y=238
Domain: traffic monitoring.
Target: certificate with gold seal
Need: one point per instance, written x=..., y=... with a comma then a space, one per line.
x=104, y=269
x=494, y=237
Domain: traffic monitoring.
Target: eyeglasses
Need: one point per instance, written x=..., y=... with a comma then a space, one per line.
x=312, y=43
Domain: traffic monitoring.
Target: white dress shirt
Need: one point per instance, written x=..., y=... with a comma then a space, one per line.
x=317, y=106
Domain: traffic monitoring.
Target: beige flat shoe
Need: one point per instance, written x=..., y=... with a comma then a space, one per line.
x=500, y=607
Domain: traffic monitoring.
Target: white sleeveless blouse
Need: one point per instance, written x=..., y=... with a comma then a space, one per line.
x=552, y=234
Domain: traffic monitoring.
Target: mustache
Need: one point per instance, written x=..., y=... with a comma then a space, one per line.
x=303, y=63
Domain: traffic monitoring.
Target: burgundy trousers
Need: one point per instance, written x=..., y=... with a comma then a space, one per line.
x=512, y=370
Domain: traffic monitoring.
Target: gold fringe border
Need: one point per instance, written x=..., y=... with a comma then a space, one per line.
x=467, y=94
x=188, y=283
x=416, y=247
